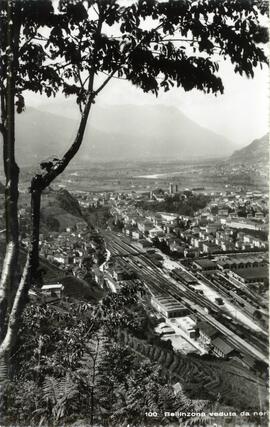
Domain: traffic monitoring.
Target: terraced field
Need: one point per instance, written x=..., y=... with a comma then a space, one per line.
x=204, y=379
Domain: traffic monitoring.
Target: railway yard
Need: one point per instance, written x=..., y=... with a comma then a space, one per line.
x=215, y=299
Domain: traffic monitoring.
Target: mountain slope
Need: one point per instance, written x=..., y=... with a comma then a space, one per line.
x=59, y=210
x=117, y=133
x=256, y=152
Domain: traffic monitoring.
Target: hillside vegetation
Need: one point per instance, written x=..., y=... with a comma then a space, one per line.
x=177, y=204
x=59, y=210
x=205, y=379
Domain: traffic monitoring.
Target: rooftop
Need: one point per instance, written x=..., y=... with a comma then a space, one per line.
x=169, y=303
x=238, y=258
x=207, y=329
x=55, y=286
x=253, y=273
x=184, y=275
x=222, y=346
x=205, y=263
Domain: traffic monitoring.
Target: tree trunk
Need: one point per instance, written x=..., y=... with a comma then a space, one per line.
x=13, y=325
x=10, y=269
x=10, y=260
x=12, y=227
x=35, y=220
x=41, y=182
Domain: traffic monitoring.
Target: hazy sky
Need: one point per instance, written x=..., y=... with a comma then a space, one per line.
x=240, y=114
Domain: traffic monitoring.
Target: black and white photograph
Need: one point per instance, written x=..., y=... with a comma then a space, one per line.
x=134, y=213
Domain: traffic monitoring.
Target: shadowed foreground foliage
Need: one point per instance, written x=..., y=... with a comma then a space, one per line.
x=70, y=366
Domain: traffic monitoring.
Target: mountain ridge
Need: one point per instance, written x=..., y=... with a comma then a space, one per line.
x=255, y=152
x=117, y=133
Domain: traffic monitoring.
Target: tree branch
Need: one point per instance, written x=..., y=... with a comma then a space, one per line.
x=40, y=182
x=110, y=76
x=106, y=81
x=114, y=77
x=188, y=41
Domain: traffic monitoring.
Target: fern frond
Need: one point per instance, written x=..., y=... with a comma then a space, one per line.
x=50, y=390
x=3, y=371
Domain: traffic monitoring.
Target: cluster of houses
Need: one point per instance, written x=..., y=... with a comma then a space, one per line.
x=214, y=231
x=217, y=228
x=71, y=250
x=99, y=199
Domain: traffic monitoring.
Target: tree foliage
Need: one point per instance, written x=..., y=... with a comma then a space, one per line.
x=178, y=204
x=70, y=367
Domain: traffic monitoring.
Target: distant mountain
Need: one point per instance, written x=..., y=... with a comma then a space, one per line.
x=116, y=133
x=256, y=152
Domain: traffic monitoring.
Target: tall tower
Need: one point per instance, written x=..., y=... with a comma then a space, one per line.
x=176, y=188
x=171, y=188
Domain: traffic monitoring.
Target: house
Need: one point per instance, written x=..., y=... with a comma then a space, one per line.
x=136, y=234
x=54, y=291
x=212, y=228
x=223, y=211
x=191, y=253
x=210, y=248
x=128, y=230
x=168, y=228
x=187, y=325
x=145, y=226
x=170, y=218
x=166, y=329
x=176, y=246
x=244, y=223
x=227, y=246
x=156, y=232
x=63, y=258
x=207, y=333
x=196, y=242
